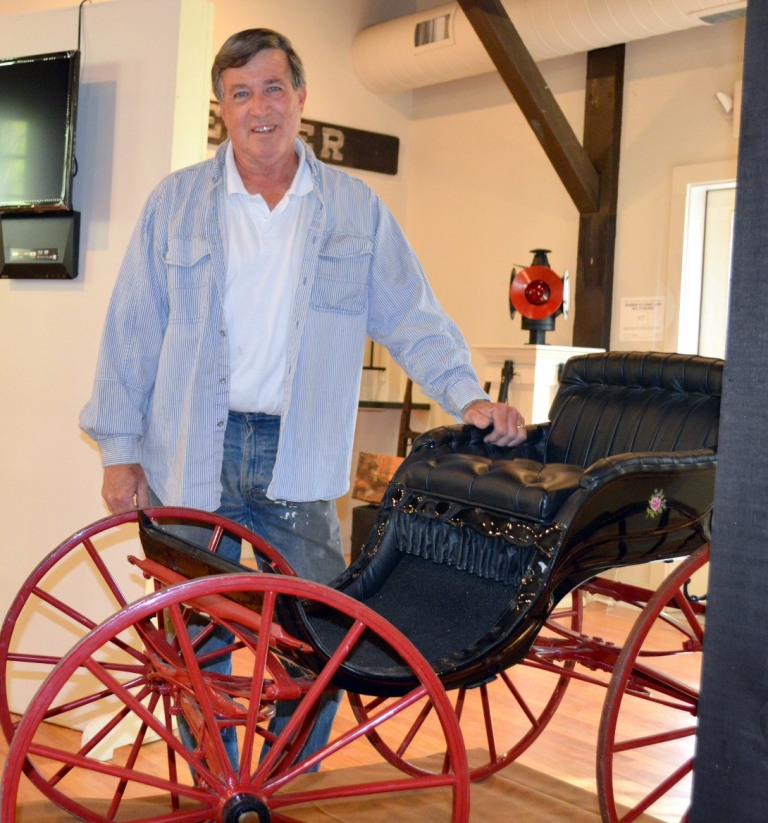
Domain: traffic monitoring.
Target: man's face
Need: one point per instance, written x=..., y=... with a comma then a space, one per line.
x=261, y=109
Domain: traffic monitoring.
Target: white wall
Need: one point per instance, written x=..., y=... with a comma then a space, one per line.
x=50, y=330
x=483, y=195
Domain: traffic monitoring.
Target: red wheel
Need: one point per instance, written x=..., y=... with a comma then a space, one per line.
x=654, y=686
x=511, y=709
x=50, y=614
x=139, y=668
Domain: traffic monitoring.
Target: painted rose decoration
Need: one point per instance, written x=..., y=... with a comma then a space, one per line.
x=657, y=504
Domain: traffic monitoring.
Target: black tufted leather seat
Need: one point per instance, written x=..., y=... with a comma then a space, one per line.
x=606, y=405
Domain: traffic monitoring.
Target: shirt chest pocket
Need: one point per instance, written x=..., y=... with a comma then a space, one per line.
x=189, y=274
x=341, y=281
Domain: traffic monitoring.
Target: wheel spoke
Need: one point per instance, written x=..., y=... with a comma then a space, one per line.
x=364, y=789
x=97, y=739
x=662, y=789
x=96, y=767
x=490, y=738
x=258, y=677
x=308, y=704
x=415, y=728
x=131, y=760
x=106, y=575
x=520, y=700
x=221, y=764
x=355, y=733
x=86, y=700
x=653, y=739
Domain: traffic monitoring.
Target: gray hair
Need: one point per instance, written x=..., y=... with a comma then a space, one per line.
x=241, y=47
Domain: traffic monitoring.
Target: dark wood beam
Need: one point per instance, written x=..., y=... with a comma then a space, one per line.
x=593, y=291
x=524, y=80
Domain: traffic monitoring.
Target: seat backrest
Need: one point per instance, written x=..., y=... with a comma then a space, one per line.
x=618, y=402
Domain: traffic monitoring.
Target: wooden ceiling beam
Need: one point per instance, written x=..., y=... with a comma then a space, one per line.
x=527, y=85
x=593, y=295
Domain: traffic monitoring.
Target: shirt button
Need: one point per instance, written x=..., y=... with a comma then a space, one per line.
x=223, y=333
x=220, y=423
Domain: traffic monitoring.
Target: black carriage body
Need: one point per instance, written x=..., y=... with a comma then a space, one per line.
x=623, y=473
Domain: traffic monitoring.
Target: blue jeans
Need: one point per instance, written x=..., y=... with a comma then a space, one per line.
x=307, y=535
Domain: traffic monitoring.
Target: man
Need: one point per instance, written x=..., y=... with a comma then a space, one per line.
x=229, y=372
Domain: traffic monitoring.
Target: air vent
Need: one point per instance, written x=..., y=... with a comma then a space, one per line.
x=430, y=32
x=722, y=12
x=721, y=17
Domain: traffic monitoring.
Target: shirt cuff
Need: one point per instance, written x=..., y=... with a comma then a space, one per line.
x=472, y=402
x=119, y=451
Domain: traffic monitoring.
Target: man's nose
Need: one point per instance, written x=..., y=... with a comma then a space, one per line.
x=259, y=104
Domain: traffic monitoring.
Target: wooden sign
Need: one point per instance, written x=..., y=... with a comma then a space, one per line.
x=345, y=146
x=337, y=145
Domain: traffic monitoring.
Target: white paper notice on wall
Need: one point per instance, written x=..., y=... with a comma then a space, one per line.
x=642, y=319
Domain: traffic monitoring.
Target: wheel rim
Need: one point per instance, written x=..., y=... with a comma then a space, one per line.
x=133, y=661
x=512, y=708
x=49, y=614
x=652, y=672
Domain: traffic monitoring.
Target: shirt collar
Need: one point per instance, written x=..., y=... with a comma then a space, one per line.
x=301, y=184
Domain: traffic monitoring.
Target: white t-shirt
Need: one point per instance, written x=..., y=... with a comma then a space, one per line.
x=264, y=256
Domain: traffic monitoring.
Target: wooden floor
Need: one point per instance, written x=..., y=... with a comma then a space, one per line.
x=566, y=750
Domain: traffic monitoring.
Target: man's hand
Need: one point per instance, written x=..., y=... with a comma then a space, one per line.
x=508, y=424
x=125, y=487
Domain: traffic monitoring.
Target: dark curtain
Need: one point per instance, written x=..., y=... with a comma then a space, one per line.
x=731, y=767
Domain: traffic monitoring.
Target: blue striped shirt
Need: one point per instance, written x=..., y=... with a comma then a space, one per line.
x=161, y=391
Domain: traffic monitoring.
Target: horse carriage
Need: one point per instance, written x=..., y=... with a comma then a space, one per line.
x=465, y=606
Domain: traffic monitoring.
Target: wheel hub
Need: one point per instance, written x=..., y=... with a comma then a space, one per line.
x=245, y=808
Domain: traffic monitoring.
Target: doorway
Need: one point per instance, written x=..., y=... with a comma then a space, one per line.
x=705, y=265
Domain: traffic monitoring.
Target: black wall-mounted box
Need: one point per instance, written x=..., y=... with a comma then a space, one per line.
x=35, y=246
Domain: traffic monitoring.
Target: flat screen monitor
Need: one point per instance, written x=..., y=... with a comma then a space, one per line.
x=38, y=108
